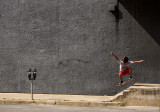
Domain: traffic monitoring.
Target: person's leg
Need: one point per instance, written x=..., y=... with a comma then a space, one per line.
x=130, y=73
x=120, y=77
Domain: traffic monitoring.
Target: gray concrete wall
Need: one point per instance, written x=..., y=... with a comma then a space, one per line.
x=68, y=42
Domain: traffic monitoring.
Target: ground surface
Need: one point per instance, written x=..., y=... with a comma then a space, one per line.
x=51, y=108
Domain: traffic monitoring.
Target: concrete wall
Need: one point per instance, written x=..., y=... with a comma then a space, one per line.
x=68, y=42
x=140, y=95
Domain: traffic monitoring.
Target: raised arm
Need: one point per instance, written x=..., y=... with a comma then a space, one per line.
x=114, y=56
x=134, y=62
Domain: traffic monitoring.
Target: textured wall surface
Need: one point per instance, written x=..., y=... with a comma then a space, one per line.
x=68, y=42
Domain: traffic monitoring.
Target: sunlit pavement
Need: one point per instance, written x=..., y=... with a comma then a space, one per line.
x=52, y=108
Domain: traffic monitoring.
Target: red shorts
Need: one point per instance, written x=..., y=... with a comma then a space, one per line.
x=124, y=72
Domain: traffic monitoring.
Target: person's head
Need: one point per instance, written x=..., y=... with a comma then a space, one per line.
x=125, y=59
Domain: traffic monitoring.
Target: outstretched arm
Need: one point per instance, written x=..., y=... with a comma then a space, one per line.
x=114, y=56
x=138, y=61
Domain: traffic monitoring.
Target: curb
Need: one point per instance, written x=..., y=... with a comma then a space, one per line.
x=16, y=102
x=72, y=103
x=67, y=103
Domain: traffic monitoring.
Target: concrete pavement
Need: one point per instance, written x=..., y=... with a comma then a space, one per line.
x=54, y=108
x=56, y=99
x=137, y=95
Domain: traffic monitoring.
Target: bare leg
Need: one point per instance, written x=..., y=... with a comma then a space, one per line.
x=120, y=76
x=130, y=72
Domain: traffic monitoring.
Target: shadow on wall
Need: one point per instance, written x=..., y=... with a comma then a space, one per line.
x=117, y=13
x=146, y=12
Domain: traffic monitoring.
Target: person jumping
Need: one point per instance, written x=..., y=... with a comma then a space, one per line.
x=124, y=69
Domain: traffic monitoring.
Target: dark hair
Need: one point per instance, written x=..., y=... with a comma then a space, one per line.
x=125, y=59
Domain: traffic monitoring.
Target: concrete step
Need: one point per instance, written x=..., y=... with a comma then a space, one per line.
x=140, y=95
x=67, y=103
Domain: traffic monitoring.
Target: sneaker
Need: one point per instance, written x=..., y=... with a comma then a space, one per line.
x=130, y=77
x=120, y=82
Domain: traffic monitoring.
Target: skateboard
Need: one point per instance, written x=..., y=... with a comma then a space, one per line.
x=125, y=82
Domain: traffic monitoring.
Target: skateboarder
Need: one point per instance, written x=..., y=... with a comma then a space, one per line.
x=124, y=67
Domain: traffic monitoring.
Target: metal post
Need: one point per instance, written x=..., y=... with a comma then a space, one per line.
x=32, y=76
x=31, y=89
